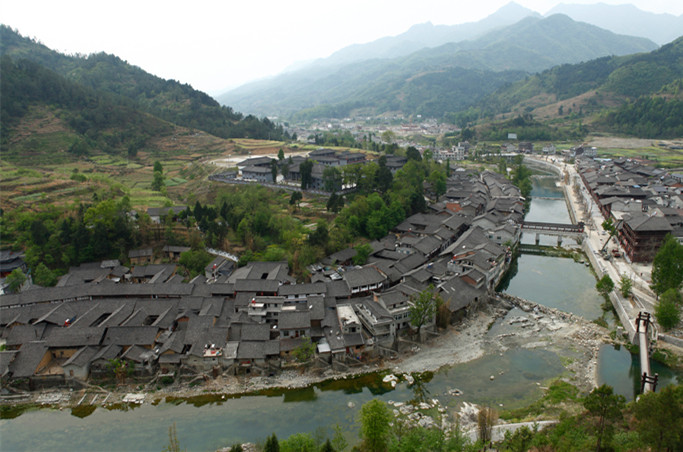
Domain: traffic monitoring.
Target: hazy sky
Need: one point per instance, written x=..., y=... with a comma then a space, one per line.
x=214, y=45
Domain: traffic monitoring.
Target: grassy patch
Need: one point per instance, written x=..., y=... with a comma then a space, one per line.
x=670, y=158
x=560, y=397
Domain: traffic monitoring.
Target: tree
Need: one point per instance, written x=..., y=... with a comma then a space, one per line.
x=667, y=266
x=273, y=170
x=299, y=442
x=320, y=235
x=272, y=444
x=339, y=443
x=305, y=351
x=625, y=285
x=335, y=203
x=121, y=369
x=158, y=167
x=519, y=441
x=281, y=154
x=388, y=136
x=327, y=447
x=660, y=418
x=608, y=226
x=332, y=179
x=486, y=419
x=158, y=181
x=195, y=261
x=15, y=280
x=43, y=276
x=375, y=418
x=383, y=177
x=295, y=198
x=362, y=253
x=413, y=154
x=607, y=407
x=423, y=308
x=306, y=170
x=604, y=286
x=667, y=309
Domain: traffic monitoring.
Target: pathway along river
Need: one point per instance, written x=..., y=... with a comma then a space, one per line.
x=557, y=282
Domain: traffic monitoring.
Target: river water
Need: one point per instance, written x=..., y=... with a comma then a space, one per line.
x=519, y=373
x=252, y=418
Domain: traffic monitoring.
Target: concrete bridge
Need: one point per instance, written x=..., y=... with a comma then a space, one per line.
x=645, y=328
x=559, y=230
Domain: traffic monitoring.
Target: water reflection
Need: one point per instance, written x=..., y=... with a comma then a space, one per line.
x=620, y=369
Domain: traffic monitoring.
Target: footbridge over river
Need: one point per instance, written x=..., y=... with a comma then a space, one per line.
x=559, y=230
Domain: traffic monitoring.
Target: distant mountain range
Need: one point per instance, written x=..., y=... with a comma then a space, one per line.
x=446, y=74
x=625, y=20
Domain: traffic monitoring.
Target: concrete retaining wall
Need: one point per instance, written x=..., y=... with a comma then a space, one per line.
x=677, y=341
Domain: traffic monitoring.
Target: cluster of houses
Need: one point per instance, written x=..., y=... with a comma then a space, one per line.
x=645, y=203
x=252, y=320
x=259, y=169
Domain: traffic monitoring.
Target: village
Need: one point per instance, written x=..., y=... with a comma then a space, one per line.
x=105, y=321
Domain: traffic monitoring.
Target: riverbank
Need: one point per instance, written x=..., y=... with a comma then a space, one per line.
x=496, y=328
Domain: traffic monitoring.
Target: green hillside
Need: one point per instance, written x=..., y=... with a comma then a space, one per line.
x=127, y=84
x=635, y=94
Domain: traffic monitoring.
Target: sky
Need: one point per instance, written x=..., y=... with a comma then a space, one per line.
x=216, y=45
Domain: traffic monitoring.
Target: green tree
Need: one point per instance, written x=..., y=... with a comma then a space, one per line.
x=413, y=154
x=423, y=308
x=273, y=170
x=306, y=170
x=272, y=444
x=299, y=442
x=43, y=276
x=327, y=446
x=375, y=418
x=388, y=136
x=608, y=226
x=321, y=235
x=295, y=198
x=519, y=441
x=305, y=351
x=362, y=253
x=15, y=280
x=604, y=286
x=667, y=309
x=625, y=286
x=660, y=418
x=158, y=167
x=335, y=203
x=607, y=407
x=195, y=261
x=339, y=443
x=667, y=266
x=281, y=154
x=332, y=179
x=383, y=177
x=158, y=181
